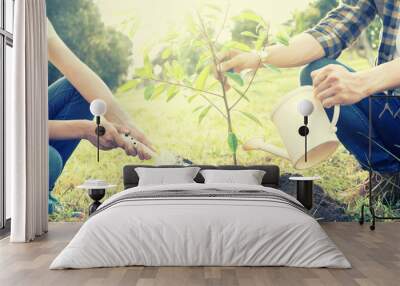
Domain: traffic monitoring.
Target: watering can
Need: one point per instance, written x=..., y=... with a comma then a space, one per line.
x=322, y=140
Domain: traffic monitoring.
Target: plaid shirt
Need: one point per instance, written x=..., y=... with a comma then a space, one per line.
x=343, y=25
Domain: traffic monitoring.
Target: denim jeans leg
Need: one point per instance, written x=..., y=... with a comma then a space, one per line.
x=69, y=105
x=55, y=169
x=386, y=127
x=353, y=126
x=65, y=103
x=56, y=166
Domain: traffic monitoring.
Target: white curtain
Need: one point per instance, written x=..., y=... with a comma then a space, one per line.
x=26, y=121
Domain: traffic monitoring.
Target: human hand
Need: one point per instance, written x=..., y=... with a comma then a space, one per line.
x=236, y=61
x=334, y=85
x=111, y=139
x=133, y=131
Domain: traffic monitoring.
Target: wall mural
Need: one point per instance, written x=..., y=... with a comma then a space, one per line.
x=160, y=61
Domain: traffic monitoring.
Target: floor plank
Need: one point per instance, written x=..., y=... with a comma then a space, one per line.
x=375, y=257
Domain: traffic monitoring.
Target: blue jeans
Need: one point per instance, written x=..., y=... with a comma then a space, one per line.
x=65, y=103
x=353, y=126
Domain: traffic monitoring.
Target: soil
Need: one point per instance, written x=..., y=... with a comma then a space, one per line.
x=324, y=207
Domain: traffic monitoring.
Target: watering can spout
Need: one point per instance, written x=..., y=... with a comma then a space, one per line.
x=259, y=144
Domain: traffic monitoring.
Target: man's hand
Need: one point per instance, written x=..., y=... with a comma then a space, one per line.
x=236, y=61
x=334, y=85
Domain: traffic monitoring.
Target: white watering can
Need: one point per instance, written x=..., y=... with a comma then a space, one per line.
x=322, y=140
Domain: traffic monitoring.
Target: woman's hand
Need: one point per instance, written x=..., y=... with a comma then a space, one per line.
x=133, y=131
x=111, y=139
x=92, y=87
x=334, y=85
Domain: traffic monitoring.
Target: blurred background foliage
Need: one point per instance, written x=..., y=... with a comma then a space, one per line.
x=104, y=49
x=318, y=9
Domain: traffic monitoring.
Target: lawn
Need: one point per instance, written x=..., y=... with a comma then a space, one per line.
x=174, y=127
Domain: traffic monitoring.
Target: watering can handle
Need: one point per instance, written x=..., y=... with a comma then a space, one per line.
x=335, y=118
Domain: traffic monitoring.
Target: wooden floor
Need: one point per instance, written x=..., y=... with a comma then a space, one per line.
x=375, y=257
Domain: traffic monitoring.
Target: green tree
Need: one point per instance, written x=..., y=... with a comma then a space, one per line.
x=170, y=76
x=105, y=50
x=318, y=9
x=308, y=18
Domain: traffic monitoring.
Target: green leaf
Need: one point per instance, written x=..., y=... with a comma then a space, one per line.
x=202, y=78
x=260, y=42
x=148, y=67
x=171, y=93
x=204, y=113
x=241, y=94
x=249, y=34
x=158, y=90
x=282, y=38
x=204, y=57
x=148, y=91
x=238, y=46
x=272, y=68
x=249, y=16
x=214, y=84
x=251, y=117
x=166, y=53
x=198, y=108
x=232, y=142
x=196, y=43
x=235, y=77
x=193, y=97
x=177, y=70
x=142, y=72
x=167, y=70
x=129, y=85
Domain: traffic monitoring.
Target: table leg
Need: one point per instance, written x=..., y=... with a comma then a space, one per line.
x=96, y=195
x=304, y=193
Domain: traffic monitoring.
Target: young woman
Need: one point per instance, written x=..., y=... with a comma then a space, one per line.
x=70, y=119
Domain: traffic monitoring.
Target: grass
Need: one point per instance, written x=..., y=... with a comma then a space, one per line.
x=173, y=126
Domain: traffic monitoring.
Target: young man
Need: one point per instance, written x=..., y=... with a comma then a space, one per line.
x=70, y=119
x=334, y=83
